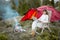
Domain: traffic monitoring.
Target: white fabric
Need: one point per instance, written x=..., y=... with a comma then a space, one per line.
x=36, y=23
x=43, y=18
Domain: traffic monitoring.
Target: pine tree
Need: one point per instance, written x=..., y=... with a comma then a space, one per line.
x=51, y=3
x=59, y=5
x=45, y=2
x=13, y=5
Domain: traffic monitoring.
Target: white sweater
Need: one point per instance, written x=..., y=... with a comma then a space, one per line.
x=44, y=18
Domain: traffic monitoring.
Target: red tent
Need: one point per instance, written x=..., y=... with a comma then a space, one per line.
x=55, y=14
x=31, y=12
x=37, y=13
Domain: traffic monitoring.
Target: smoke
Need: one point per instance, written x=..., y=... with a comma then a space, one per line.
x=6, y=12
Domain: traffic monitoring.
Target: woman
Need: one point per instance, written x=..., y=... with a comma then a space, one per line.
x=41, y=22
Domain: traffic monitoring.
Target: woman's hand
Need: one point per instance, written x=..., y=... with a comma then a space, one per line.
x=34, y=18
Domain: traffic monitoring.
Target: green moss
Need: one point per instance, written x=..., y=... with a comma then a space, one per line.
x=46, y=35
x=38, y=38
x=3, y=37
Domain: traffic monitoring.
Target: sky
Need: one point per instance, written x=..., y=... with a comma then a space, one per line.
x=56, y=0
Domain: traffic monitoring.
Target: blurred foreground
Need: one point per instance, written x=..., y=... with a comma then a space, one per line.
x=7, y=33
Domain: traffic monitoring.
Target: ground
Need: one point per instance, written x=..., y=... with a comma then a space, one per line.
x=7, y=33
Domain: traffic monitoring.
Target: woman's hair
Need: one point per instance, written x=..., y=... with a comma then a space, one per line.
x=45, y=11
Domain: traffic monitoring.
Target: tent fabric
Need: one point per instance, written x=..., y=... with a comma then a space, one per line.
x=31, y=12
x=55, y=15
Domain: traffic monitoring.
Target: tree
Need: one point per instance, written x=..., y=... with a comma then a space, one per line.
x=41, y=2
x=22, y=7
x=13, y=5
x=45, y=2
x=59, y=4
x=51, y=3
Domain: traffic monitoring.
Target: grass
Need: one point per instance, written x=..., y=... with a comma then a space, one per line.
x=46, y=35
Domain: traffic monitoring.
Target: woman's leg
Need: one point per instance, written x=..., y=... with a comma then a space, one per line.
x=34, y=28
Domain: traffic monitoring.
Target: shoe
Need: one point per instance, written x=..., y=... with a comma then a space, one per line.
x=33, y=34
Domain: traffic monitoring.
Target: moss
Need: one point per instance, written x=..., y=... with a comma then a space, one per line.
x=46, y=35
x=3, y=37
x=38, y=38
